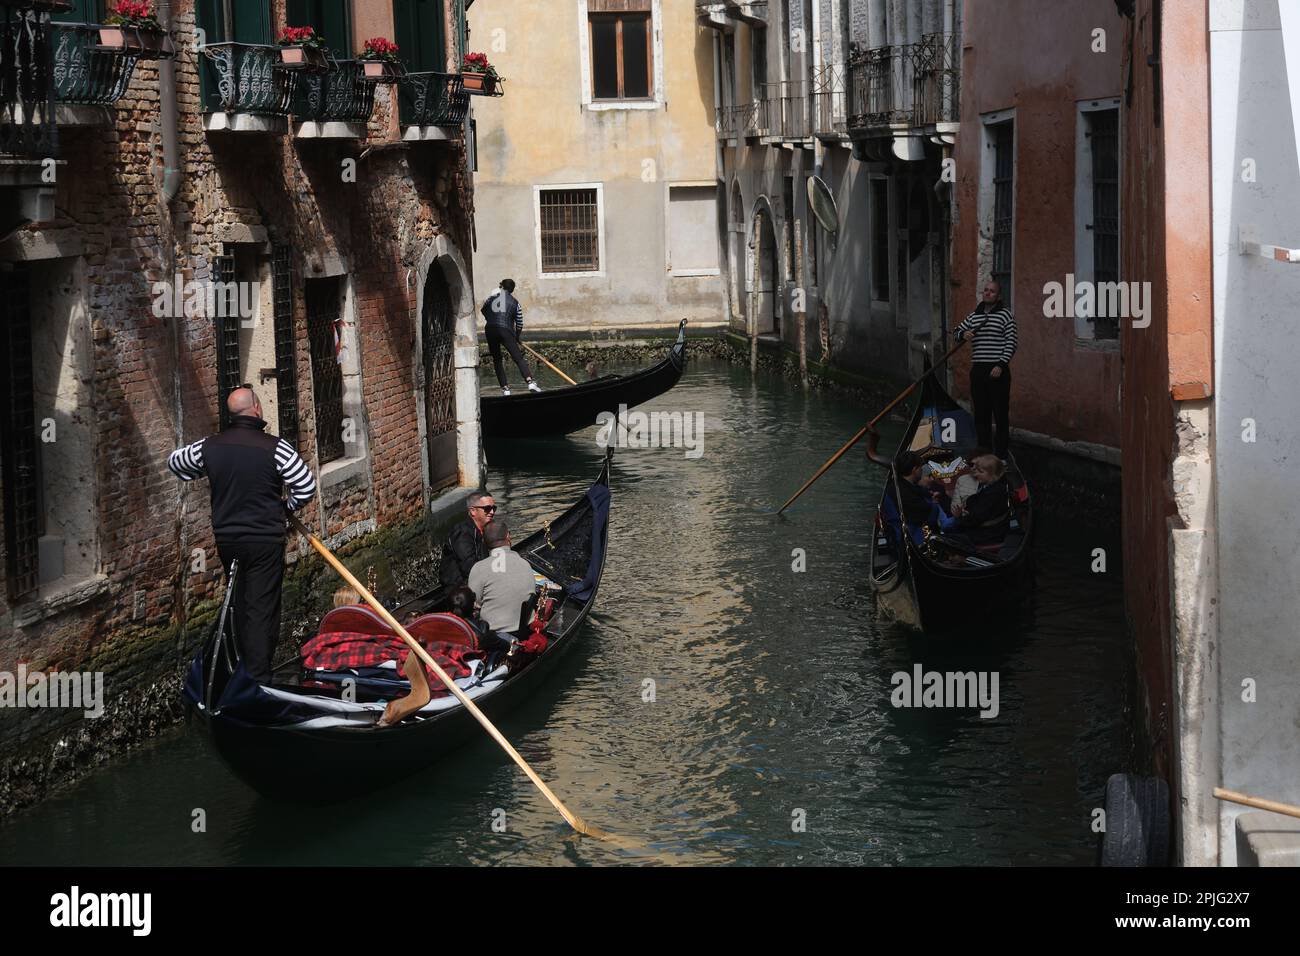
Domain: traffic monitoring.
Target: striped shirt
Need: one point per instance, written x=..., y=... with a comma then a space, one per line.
x=187, y=464
x=993, y=334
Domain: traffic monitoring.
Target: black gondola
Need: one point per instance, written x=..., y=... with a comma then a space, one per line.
x=559, y=411
x=937, y=582
x=311, y=745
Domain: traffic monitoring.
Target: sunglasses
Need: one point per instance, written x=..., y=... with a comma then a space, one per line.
x=488, y=509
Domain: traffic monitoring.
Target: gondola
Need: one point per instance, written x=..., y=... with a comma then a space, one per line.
x=298, y=741
x=559, y=411
x=930, y=581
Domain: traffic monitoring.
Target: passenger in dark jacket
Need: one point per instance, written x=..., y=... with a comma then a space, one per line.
x=247, y=471
x=918, y=498
x=986, y=515
x=465, y=547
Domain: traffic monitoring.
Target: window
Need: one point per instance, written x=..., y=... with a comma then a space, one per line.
x=331, y=19
x=325, y=332
x=880, y=239
x=1097, y=208
x=418, y=30
x=569, y=229
x=758, y=52
x=693, y=229
x=622, y=58
x=47, y=428
x=1003, y=142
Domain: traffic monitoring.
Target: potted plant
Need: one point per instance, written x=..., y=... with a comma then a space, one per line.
x=478, y=76
x=302, y=48
x=379, y=60
x=131, y=27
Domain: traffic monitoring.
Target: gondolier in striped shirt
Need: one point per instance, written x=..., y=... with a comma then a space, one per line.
x=246, y=470
x=505, y=327
x=992, y=329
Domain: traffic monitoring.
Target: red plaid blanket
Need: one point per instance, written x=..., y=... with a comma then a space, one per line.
x=341, y=650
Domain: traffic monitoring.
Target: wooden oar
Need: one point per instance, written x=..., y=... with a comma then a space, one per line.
x=545, y=361
x=573, y=819
x=869, y=425
x=1286, y=809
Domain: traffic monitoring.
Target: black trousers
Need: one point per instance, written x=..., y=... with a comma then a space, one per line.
x=498, y=336
x=992, y=400
x=256, y=606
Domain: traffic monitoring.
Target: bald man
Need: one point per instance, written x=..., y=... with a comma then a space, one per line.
x=246, y=470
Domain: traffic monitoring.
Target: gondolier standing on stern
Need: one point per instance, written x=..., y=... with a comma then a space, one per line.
x=992, y=329
x=505, y=327
x=246, y=469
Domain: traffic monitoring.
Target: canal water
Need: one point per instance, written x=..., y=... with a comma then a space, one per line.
x=722, y=706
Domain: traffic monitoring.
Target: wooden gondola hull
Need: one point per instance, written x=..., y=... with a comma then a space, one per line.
x=560, y=411
x=284, y=761
x=917, y=590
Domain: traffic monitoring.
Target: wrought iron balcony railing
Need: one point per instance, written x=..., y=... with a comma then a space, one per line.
x=242, y=78
x=904, y=86
x=26, y=84
x=341, y=95
x=83, y=74
x=830, y=102
x=783, y=110
x=939, y=79
x=431, y=99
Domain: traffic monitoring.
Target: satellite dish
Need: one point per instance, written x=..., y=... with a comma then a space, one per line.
x=823, y=204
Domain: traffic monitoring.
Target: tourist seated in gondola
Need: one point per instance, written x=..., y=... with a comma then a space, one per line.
x=984, y=517
x=464, y=547
x=502, y=583
x=920, y=494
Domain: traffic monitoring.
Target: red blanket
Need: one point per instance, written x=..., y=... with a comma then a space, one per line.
x=341, y=650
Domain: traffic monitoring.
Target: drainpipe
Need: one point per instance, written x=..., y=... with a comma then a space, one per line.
x=170, y=125
x=819, y=155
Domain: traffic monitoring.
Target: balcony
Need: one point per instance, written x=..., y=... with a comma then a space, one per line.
x=28, y=132
x=712, y=13
x=783, y=112
x=830, y=104
x=906, y=92
x=87, y=80
x=751, y=11
x=431, y=106
x=334, y=105
x=242, y=89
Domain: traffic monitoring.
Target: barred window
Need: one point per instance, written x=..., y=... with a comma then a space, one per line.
x=570, y=230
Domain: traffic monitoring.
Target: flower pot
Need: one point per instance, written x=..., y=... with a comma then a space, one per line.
x=479, y=84
x=142, y=42
x=380, y=71
x=303, y=58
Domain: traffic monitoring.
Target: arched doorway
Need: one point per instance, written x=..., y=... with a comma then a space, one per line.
x=736, y=258
x=765, y=288
x=438, y=335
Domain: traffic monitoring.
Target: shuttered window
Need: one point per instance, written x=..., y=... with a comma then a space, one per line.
x=19, y=456
x=420, y=34
x=332, y=19
x=622, y=57
x=570, y=230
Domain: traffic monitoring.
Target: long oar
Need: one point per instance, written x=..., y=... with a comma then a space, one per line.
x=575, y=821
x=545, y=361
x=869, y=425
x=1257, y=802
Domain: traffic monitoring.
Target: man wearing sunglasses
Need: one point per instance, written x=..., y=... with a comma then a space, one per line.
x=465, y=547
x=247, y=471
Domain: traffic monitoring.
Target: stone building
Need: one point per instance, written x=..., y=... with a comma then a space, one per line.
x=863, y=96
x=173, y=228
x=595, y=184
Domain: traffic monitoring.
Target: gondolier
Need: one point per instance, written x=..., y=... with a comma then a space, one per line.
x=505, y=327
x=246, y=470
x=992, y=329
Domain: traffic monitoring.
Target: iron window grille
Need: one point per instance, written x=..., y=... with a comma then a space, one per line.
x=570, y=230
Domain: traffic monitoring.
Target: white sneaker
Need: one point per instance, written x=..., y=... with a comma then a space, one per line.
x=505, y=390
x=534, y=387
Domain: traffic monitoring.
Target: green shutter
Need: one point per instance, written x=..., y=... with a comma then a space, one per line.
x=332, y=20
x=83, y=11
x=252, y=21
x=418, y=25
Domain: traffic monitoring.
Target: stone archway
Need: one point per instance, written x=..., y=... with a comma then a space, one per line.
x=765, y=270
x=446, y=367
x=736, y=257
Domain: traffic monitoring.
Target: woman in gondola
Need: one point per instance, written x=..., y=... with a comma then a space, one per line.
x=986, y=515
